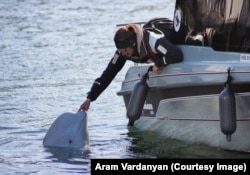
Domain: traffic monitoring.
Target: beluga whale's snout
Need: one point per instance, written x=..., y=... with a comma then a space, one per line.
x=69, y=130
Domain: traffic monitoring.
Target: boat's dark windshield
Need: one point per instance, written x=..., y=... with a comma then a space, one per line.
x=221, y=24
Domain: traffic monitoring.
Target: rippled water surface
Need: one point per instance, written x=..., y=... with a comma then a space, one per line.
x=50, y=53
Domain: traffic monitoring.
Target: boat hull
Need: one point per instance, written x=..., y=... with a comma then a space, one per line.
x=204, y=132
x=197, y=120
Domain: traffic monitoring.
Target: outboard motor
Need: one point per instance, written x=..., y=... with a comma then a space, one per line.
x=137, y=99
x=227, y=109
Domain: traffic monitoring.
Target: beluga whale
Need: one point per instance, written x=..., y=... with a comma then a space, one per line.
x=69, y=130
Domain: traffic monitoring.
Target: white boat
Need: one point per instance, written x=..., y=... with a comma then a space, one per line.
x=206, y=98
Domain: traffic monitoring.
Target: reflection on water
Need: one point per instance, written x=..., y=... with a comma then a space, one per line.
x=69, y=160
x=148, y=145
x=67, y=155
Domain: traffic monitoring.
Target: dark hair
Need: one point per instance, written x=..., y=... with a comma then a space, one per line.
x=125, y=36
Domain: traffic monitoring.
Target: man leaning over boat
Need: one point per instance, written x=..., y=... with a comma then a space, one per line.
x=138, y=44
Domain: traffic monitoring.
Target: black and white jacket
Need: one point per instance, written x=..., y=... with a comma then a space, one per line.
x=151, y=45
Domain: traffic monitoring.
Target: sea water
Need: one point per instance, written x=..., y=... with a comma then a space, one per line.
x=50, y=53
